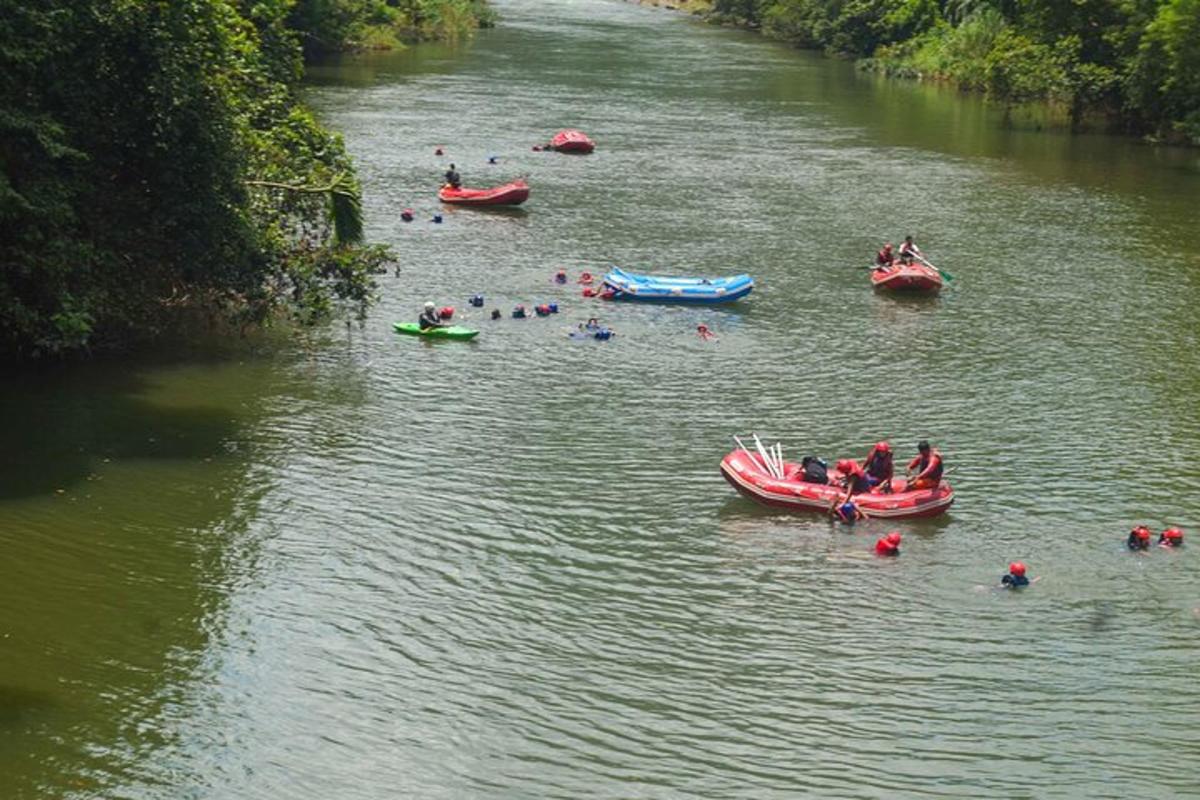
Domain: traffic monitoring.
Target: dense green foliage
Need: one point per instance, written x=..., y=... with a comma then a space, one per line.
x=156, y=166
x=328, y=25
x=1136, y=61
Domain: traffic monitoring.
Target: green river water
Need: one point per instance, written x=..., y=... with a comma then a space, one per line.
x=363, y=566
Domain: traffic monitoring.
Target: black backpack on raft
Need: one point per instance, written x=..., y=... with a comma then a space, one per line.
x=813, y=470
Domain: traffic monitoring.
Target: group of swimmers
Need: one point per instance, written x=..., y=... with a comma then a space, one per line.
x=908, y=252
x=1139, y=538
x=1015, y=578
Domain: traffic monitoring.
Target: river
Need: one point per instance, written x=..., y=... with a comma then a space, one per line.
x=361, y=566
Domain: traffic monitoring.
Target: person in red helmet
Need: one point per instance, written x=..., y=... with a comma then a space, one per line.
x=888, y=545
x=878, y=466
x=1139, y=538
x=1015, y=579
x=928, y=468
x=885, y=257
x=1171, y=537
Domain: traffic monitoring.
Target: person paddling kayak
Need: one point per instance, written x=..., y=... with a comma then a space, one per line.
x=430, y=318
x=453, y=179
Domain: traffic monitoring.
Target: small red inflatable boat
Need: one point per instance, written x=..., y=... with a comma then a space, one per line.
x=572, y=141
x=911, y=278
x=746, y=473
x=510, y=194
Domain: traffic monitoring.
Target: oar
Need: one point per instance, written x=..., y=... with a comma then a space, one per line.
x=939, y=270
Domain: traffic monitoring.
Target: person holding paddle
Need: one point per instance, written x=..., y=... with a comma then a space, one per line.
x=909, y=251
x=430, y=318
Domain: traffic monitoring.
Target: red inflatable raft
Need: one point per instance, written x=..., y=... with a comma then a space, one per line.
x=510, y=194
x=746, y=473
x=912, y=278
x=572, y=141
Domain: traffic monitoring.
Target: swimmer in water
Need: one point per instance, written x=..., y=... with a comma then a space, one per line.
x=888, y=545
x=1171, y=537
x=1139, y=538
x=704, y=332
x=846, y=512
x=1015, y=579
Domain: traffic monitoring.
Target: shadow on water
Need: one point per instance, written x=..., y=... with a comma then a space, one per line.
x=64, y=421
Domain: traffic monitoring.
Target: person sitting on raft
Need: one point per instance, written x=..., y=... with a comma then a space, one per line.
x=1171, y=537
x=888, y=545
x=885, y=257
x=909, y=250
x=1015, y=579
x=430, y=318
x=879, y=467
x=453, y=179
x=1139, y=538
x=927, y=465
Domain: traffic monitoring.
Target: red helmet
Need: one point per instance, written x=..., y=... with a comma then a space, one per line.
x=1141, y=532
x=1016, y=568
x=1173, y=534
x=883, y=447
x=894, y=538
x=843, y=466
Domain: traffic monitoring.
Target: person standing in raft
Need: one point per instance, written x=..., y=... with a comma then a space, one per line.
x=1139, y=538
x=1171, y=537
x=909, y=250
x=888, y=545
x=879, y=467
x=430, y=318
x=453, y=179
x=1015, y=579
x=885, y=257
x=928, y=468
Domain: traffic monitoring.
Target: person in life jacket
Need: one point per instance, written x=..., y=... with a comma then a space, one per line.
x=1171, y=537
x=1015, y=579
x=814, y=470
x=846, y=512
x=885, y=257
x=909, y=250
x=888, y=545
x=560, y=276
x=1139, y=538
x=453, y=179
x=430, y=318
x=879, y=467
x=928, y=468
x=704, y=333
x=854, y=479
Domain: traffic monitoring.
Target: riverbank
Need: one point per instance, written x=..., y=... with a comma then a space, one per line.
x=1106, y=68
x=379, y=25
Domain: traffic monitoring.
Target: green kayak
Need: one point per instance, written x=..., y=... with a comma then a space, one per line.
x=452, y=332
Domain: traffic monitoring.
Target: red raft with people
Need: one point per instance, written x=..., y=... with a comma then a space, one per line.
x=572, y=141
x=510, y=194
x=908, y=278
x=749, y=474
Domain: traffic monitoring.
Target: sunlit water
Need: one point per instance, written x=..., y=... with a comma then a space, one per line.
x=368, y=566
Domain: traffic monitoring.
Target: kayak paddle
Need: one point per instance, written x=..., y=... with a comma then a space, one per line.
x=940, y=271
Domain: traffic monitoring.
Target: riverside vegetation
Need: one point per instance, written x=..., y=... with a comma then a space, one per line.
x=157, y=167
x=1135, y=64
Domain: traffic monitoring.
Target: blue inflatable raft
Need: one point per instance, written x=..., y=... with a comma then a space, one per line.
x=655, y=289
